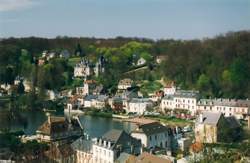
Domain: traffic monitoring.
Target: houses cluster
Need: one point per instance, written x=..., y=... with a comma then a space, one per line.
x=190, y=101
x=215, y=127
x=168, y=100
x=90, y=95
x=68, y=142
x=48, y=55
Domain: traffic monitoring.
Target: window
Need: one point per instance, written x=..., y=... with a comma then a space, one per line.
x=150, y=138
x=155, y=137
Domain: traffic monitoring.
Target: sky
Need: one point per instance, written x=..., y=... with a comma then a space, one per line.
x=155, y=19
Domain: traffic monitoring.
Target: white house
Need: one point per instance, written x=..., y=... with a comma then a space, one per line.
x=82, y=69
x=109, y=147
x=125, y=84
x=89, y=101
x=182, y=99
x=169, y=89
x=83, y=150
x=141, y=61
x=229, y=107
x=139, y=105
x=100, y=101
x=153, y=135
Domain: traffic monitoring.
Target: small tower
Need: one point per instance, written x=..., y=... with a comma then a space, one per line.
x=49, y=117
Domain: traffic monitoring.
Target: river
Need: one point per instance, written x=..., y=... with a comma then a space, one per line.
x=29, y=121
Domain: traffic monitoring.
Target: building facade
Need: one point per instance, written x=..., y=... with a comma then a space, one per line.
x=139, y=105
x=153, y=135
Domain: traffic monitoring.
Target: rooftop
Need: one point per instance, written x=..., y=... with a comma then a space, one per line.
x=149, y=158
x=58, y=125
x=186, y=93
x=209, y=118
x=151, y=128
x=126, y=81
x=82, y=144
x=140, y=100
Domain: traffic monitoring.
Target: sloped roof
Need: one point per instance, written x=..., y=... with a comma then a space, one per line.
x=120, y=138
x=151, y=128
x=126, y=158
x=58, y=125
x=210, y=118
x=112, y=135
x=149, y=158
x=186, y=93
x=82, y=144
x=126, y=81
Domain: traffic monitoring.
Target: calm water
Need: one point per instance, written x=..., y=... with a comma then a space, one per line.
x=29, y=121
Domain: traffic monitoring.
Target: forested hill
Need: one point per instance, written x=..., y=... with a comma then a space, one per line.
x=218, y=67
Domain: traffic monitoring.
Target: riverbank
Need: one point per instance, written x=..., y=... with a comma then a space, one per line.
x=96, y=113
x=171, y=121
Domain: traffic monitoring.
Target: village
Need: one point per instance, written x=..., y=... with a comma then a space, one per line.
x=173, y=124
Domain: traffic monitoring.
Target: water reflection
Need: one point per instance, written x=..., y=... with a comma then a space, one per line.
x=94, y=126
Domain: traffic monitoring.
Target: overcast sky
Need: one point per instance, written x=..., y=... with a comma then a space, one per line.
x=178, y=19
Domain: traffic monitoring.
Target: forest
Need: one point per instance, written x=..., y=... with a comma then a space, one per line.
x=217, y=67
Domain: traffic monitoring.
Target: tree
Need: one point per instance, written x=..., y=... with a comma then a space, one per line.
x=203, y=83
x=79, y=51
x=20, y=87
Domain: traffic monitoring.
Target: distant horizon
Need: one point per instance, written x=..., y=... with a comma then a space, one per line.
x=127, y=37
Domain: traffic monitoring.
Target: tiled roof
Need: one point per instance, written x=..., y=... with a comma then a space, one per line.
x=58, y=125
x=151, y=128
x=126, y=158
x=125, y=82
x=210, y=118
x=82, y=144
x=149, y=158
x=140, y=100
x=120, y=138
x=90, y=97
x=186, y=93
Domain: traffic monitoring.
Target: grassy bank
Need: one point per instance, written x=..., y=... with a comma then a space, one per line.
x=172, y=121
x=98, y=113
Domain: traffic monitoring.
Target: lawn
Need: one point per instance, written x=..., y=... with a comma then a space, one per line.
x=74, y=60
x=151, y=87
x=171, y=121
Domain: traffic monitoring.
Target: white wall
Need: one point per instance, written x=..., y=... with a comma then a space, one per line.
x=102, y=154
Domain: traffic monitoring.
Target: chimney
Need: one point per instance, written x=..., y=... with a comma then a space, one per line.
x=100, y=142
x=109, y=144
x=201, y=118
x=104, y=143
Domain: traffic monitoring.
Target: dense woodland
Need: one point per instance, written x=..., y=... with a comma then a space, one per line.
x=218, y=67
